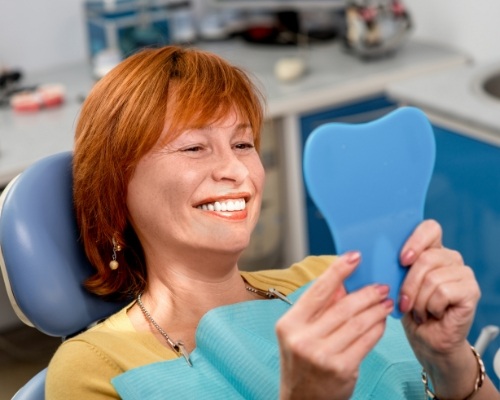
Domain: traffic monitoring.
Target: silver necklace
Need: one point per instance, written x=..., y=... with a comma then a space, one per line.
x=178, y=347
x=270, y=293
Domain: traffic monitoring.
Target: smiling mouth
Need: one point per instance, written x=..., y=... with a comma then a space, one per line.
x=228, y=205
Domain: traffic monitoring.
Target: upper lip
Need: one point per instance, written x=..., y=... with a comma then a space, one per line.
x=229, y=196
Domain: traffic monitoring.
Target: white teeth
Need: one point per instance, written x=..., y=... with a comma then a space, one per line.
x=230, y=205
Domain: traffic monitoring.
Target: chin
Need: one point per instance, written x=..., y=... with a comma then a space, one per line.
x=235, y=249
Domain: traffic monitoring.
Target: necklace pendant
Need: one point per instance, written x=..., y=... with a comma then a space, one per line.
x=276, y=294
x=178, y=346
x=181, y=350
x=270, y=293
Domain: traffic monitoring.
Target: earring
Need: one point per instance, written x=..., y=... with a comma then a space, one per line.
x=113, y=264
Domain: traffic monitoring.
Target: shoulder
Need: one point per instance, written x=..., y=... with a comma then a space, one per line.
x=80, y=369
x=289, y=279
x=98, y=355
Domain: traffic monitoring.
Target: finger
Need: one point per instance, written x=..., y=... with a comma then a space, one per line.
x=359, y=325
x=432, y=296
x=427, y=234
x=360, y=348
x=323, y=289
x=462, y=292
x=346, y=349
x=346, y=308
x=427, y=261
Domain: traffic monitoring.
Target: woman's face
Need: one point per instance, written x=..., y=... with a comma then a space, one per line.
x=201, y=191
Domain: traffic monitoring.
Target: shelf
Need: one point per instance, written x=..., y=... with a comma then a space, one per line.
x=277, y=4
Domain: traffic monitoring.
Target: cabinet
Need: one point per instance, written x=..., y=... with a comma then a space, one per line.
x=265, y=248
x=464, y=197
x=318, y=235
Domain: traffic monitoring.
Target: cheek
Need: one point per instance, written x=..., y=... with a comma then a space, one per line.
x=258, y=175
x=164, y=189
x=149, y=206
x=137, y=197
x=143, y=195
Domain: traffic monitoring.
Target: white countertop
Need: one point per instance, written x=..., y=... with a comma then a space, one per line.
x=455, y=95
x=26, y=137
x=333, y=77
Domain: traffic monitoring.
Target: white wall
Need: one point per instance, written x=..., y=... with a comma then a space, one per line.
x=40, y=34
x=470, y=26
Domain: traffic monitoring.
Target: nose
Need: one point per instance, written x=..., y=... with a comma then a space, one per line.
x=228, y=166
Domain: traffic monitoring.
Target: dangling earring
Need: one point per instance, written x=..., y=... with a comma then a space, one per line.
x=113, y=264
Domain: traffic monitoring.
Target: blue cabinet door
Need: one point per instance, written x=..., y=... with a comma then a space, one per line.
x=319, y=237
x=464, y=197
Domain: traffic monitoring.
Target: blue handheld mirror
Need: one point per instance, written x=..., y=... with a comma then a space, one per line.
x=370, y=181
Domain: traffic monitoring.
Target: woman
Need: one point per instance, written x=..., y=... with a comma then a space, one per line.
x=167, y=189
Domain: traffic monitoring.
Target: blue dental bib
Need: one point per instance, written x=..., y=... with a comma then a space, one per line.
x=237, y=357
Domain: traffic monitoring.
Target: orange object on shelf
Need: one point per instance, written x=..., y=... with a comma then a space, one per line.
x=25, y=101
x=45, y=96
x=51, y=95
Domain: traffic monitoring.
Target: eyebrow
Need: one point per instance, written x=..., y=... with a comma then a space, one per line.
x=243, y=125
x=239, y=127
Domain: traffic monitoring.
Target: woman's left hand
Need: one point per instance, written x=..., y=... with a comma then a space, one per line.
x=439, y=294
x=439, y=297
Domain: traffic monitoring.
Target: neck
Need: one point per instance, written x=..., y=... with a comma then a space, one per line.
x=196, y=292
x=177, y=298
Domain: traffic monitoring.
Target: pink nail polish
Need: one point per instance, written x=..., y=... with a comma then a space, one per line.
x=408, y=257
x=383, y=289
x=388, y=303
x=404, y=303
x=418, y=318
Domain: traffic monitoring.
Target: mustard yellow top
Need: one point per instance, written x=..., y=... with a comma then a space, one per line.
x=83, y=366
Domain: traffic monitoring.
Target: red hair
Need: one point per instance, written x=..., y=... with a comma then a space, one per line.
x=120, y=121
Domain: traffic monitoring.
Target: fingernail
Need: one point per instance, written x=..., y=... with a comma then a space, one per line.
x=417, y=318
x=407, y=257
x=388, y=303
x=352, y=256
x=383, y=289
x=404, y=303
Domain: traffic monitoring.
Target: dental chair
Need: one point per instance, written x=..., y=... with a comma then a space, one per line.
x=486, y=336
x=42, y=261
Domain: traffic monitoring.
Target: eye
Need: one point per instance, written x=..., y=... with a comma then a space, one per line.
x=192, y=149
x=244, y=146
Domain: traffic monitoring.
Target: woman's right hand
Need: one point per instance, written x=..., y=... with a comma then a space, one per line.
x=326, y=334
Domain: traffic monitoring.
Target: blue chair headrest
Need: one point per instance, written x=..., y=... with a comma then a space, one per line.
x=42, y=260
